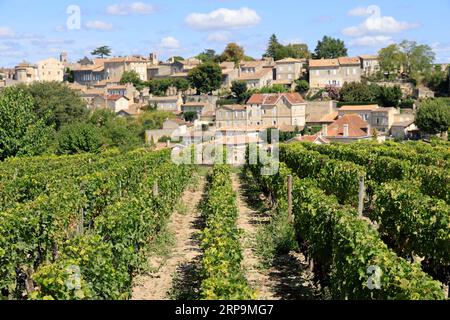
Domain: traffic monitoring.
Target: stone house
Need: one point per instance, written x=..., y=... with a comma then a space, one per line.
x=379, y=118
x=288, y=70
x=370, y=65
x=50, y=70
x=231, y=116
x=347, y=129
x=334, y=72
x=115, y=67
x=26, y=73
x=89, y=72
x=275, y=110
x=117, y=103
x=171, y=103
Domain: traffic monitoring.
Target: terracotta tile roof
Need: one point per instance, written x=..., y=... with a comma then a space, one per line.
x=349, y=60
x=272, y=98
x=368, y=57
x=234, y=107
x=311, y=139
x=125, y=59
x=227, y=65
x=253, y=64
x=330, y=117
x=255, y=76
x=323, y=63
x=355, y=127
x=290, y=60
x=115, y=97
x=121, y=87
x=170, y=98
x=370, y=107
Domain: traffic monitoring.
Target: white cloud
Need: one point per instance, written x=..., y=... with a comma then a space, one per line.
x=376, y=24
x=169, y=43
x=358, y=12
x=99, y=25
x=224, y=19
x=126, y=9
x=6, y=32
x=372, y=41
x=219, y=36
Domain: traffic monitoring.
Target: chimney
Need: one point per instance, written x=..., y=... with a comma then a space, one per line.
x=325, y=130
x=346, y=130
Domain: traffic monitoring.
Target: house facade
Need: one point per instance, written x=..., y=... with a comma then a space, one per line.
x=231, y=116
x=50, y=70
x=26, y=73
x=275, y=110
x=370, y=65
x=288, y=70
x=378, y=118
x=117, y=103
x=171, y=103
x=334, y=72
x=115, y=67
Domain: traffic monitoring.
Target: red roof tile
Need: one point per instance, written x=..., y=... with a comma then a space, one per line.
x=272, y=98
x=355, y=127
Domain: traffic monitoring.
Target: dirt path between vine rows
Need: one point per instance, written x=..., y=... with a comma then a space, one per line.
x=183, y=226
x=248, y=222
x=289, y=277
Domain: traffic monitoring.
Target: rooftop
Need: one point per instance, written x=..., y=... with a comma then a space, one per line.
x=273, y=98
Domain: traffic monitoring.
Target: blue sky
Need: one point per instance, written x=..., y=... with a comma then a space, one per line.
x=34, y=30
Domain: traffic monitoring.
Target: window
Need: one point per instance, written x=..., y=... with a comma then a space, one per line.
x=348, y=72
x=317, y=72
x=355, y=71
x=334, y=72
x=329, y=72
x=290, y=76
x=290, y=69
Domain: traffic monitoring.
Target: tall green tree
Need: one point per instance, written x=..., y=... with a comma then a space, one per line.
x=233, y=53
x=433, y=116
x=133, y=78
x=182, y=85
x=390, y=96
x=209, y=55
x=419, y=58
x=102, y=52
x=391, y=59
x=239, y=90
x=57, y=103
x=330, y=48
x=21, y=131
x=273, y=47
x=206, y=78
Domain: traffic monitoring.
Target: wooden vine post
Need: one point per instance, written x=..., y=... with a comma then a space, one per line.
x=290, y=213
x=362, y=195
x=155, y=189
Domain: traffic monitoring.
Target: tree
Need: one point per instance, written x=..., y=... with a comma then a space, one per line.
x=408, y=57
x=131, y=77
x=278, y=52
x=206, y=78
x=57, y=103
x=418, y=59
x=433, y=116
x=78, y=138
x=181, y=84
x=330, y=48
x=354, y=92
x=233, y=53
x=190, y=116
x=391, y=59
x=102, y=52
x=301, y=86
x=273, y=47
x=209, y=55
x=390, y=96
x=21, y=131
x=239, y=90
x=159, y=87
x=70, y=75
x=177, y=58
